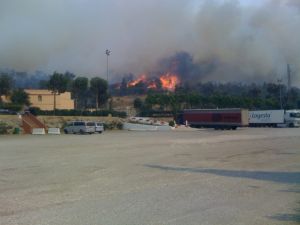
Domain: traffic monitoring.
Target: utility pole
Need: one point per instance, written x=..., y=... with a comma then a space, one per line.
x=288, y=77
x=280, y=94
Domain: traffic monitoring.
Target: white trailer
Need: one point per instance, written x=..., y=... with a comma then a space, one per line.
x=266, y=118
x=274, y=118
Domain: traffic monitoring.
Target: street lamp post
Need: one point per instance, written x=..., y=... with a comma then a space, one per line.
x=107, y=52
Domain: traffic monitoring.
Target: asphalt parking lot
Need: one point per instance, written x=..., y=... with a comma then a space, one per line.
x=249, y=176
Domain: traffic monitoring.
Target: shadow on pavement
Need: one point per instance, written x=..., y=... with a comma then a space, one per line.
x=287, y=217
x=274, y=176
x=291, y=217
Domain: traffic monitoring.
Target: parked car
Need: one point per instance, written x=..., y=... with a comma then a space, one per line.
x=99, y=127
x=79, y=127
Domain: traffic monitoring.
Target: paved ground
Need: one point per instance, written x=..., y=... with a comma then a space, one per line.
x=249, y=176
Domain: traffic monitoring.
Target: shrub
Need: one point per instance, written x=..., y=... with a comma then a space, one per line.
x=114, y=125
x=14, y=108
x=34, y=110
x=72, y=112
x=138, y=103
x=3, y=128
x=172, y=123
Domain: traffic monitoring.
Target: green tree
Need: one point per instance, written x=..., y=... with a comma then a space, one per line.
x=70, y=78
x=43, y=84
x=193, y=100
x=152, y=100
x=174, y=103
x=293, y=96
x=254, y=91
x=57, y=84
x=273, y=90
x=79, y=89
x=6, y=84
x=98, y=87
x=20, y=97
x=137, y=103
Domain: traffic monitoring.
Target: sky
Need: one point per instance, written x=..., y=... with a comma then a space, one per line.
x=250, y=39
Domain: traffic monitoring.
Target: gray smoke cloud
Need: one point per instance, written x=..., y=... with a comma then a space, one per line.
x=248, y=41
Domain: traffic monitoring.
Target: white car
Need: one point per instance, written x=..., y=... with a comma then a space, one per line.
x=99, y=127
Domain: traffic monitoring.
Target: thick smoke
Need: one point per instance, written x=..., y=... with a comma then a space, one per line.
x=240, y=41
x=248, y=43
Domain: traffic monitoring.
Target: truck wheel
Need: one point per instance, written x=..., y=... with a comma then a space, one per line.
x=234, y=128
x=291, y=125
x=65, y=131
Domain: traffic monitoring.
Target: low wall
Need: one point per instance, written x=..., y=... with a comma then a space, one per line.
x=13, y=121
x=59, y=121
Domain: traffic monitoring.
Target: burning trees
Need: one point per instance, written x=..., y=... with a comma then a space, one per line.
x=171, y=72
x=142, y=84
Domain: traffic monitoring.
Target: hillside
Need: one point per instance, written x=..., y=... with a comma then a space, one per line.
x=125, y=103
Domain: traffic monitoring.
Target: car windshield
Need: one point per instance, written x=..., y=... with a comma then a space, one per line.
x=295, y=115
x=79, y=123
x=90, y=124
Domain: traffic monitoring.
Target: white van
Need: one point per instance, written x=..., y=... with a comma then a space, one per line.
x=79, y=127
x=99, y=127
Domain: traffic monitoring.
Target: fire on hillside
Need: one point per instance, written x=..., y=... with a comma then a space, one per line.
x=169, y=73
x=167, y=81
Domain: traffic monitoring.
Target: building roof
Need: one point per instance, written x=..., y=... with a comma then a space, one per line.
x=41, y=92
x=38, y=92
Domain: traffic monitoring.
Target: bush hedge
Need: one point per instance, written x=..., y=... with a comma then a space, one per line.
x=11, y=107
x=64, y=112
x=3, y=128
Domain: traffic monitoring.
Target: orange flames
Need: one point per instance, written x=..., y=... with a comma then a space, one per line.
x=152, y=85
x=168, y=81
x=141, y=78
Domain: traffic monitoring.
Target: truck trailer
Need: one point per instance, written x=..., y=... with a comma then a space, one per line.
x=214, y=118
x=274, y=118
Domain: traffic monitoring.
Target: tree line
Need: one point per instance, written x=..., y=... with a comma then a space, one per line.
x=212, y=95
x=93, y=93
x=87, y=93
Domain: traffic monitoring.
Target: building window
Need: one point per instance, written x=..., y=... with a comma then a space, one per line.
x=40, y=98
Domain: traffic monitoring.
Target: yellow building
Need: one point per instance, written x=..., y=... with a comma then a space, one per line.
x=4, y=98
x=44, y=99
